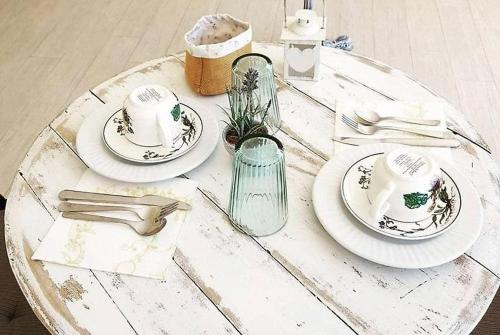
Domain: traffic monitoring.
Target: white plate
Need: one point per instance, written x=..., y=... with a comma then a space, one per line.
x=364, y=242
x=113, y=135
x=94, y=153
x=447, y=207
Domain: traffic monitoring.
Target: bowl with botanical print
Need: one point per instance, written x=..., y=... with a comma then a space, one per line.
x=115, y=140
x=437, y=201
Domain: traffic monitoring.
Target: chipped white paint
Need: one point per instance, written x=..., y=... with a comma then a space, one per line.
x=225, y=282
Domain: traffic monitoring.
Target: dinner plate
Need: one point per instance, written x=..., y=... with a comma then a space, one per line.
x=115, y=139
x=93, y=151
x=446, y=203
x=365, y=242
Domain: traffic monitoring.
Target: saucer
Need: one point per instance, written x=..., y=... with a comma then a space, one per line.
x=445, y=196
x=94, y=153
x=114, y=137
x=369, y=244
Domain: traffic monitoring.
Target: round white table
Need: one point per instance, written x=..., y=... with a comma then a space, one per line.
x=223, y=282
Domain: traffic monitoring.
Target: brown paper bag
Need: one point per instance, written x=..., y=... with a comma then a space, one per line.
x=212, y=45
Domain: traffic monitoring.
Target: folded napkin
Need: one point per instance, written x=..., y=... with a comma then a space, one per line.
x=114, y=247
x=427, y=110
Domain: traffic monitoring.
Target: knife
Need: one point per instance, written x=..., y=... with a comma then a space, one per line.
x=423, y=142
x=150, y=200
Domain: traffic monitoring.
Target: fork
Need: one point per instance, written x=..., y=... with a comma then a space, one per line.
x=153, y=218
x=372, y=129
x=142, y=213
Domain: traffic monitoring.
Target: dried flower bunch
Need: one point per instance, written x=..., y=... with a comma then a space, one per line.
x=246, y=113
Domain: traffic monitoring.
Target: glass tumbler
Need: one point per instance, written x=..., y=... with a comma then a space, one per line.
x=253, y=73
x=258, y=201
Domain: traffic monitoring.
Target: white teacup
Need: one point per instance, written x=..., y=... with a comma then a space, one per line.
x=152, y=116
x=400, y=185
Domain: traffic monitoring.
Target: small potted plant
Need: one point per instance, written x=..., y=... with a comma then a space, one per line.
x=246, y=114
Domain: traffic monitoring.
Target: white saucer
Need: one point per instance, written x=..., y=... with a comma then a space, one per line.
x=364, y=242
x=446, y=196
x=114, y=137
x=93, y=151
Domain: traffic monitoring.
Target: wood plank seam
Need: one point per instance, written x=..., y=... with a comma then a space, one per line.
x=70, y=148
x=208, y=297
x=113, y=300
x=97, y=97
x=36, y=196
x=478, y=262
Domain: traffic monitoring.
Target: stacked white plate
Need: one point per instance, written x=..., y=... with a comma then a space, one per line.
x=341, y=205
x=105, y=150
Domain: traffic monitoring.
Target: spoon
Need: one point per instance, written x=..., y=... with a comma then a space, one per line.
x=373, y=118
x=372, y=129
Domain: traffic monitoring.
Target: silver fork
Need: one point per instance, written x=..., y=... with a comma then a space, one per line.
x=372, y=129
x=142, y=213
x=153, y=218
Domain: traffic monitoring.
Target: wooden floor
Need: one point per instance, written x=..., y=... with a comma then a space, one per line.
x=51, y=51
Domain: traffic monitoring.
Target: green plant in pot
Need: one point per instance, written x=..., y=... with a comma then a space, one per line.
x=246, y=115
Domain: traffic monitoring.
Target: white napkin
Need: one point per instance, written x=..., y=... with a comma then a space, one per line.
x=427, y=110
x=114, y=247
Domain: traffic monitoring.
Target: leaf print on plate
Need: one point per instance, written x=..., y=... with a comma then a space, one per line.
x=415, y=200
x=176, y=112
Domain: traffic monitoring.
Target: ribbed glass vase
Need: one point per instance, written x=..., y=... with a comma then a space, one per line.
x=263, y=87
x=258, y=201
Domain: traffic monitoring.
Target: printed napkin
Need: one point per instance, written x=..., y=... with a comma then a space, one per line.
x=114, y=247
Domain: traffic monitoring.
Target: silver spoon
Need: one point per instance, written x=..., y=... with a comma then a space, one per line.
x=373, y=118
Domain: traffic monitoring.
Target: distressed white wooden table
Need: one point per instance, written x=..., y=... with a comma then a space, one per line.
x=296, y=281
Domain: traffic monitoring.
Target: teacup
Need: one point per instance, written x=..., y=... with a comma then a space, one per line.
x=401, y=185
x=152, y=116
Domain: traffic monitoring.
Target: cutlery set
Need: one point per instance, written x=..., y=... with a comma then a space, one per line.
x=150, y=216
x=369, y=122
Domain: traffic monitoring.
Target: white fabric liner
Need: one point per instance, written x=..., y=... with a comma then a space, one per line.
x=215, y=36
